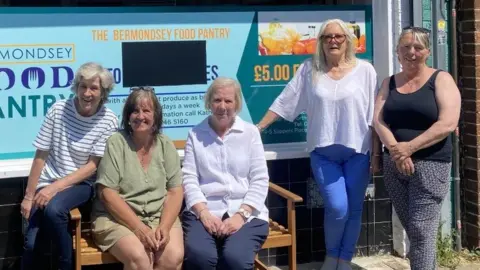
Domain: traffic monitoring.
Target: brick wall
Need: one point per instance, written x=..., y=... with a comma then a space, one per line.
x=469, y=82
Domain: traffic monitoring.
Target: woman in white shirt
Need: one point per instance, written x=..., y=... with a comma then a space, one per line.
x=225, y=178
x=337, y=92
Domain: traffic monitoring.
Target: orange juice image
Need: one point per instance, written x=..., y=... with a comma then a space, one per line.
x=362, y=45
x=359, y=40
x=278, y=40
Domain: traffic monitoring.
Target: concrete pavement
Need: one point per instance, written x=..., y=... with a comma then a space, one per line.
x=376, y=263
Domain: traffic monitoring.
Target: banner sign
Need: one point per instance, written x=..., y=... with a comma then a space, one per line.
x=178, y=51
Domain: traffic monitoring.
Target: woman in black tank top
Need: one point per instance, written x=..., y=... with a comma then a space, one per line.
x=415, y=113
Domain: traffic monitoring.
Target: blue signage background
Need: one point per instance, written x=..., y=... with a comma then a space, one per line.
x=42, y=48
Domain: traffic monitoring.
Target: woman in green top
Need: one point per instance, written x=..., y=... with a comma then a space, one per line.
x=140, y=194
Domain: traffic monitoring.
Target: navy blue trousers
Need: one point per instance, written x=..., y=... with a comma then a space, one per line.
x=53, y=222
x=204, y=251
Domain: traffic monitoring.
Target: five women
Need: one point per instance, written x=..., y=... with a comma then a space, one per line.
x=140, y=184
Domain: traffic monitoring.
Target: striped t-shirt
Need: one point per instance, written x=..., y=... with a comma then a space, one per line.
x=71, y=139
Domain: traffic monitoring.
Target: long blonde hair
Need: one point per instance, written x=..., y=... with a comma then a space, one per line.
x=319, y=63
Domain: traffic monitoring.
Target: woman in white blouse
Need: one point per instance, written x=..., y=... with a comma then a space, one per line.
x=337, y=92
x=225, y=178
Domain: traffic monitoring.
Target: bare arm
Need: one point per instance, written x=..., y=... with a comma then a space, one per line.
x=449, y=103
x=267, y=120
x=80, y=175
x=199, y=207
x=376, y=144
x=171, y=207
x=292, y=100
x=35, y=171
x=381, y=128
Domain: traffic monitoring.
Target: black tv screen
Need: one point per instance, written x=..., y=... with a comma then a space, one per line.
x=164, y=63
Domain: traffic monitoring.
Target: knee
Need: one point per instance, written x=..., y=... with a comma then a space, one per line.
x=55, y=212
x=337, y=208
x=199, y=257
x=170, y=260
x=138, y=259
x=238, y=259
x=419, y=233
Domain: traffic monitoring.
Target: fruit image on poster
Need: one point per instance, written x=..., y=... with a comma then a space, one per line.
x=295, y=33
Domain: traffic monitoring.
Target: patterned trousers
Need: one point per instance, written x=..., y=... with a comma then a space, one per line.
x=417, y=200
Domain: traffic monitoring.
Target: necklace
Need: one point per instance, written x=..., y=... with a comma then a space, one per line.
x=411, y=85
x=144, y=152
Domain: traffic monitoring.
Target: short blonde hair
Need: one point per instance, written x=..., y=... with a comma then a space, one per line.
x=319, y=58
x=419, y=34
x=222, y=82
x=91, y=70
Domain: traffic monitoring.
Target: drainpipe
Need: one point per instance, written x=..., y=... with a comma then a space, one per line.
x=455, y=137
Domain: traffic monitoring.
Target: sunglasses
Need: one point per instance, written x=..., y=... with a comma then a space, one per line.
x=417, y=29
x=144, y=88
x=338, y=38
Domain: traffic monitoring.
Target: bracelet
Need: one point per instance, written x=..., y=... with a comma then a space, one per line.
x=259, y=127
x=28, y=199
x=410, y=148
x=200, y=212
x=135, y=231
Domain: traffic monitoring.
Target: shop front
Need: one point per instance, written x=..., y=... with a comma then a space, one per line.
x=179, y=50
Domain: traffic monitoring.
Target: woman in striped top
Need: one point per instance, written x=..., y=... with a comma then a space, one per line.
x=70, y=144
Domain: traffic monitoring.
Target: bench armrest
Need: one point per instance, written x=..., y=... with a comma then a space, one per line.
x=75, y=214
x=285, y=193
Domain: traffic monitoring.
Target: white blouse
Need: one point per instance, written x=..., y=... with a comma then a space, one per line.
x=338, y=111
x=226, y=173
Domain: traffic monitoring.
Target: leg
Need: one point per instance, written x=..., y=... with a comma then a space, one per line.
x=397, y=186
x=331, y=183
x=200, y=246
x=31, y=242
x=171, y=257
x=357, y=176
x=429, y=187
x=56, y=218
x=132, y=254
x=240, y=248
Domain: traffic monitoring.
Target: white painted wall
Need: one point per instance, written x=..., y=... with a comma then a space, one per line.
x=389, y=17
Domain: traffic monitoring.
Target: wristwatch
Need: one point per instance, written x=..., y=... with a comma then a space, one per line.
x=244, y=213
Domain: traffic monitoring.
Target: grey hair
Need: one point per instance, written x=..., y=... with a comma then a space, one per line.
x=221, y=82
x=319, y=58
x=420, y=36
x=91, y=70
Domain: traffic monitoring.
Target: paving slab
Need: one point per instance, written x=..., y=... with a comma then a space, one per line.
x=386, y=262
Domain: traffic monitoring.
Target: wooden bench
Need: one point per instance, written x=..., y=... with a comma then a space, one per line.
x=87, y=253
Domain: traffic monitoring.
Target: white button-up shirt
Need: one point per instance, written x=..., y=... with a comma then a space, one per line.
x=338, y=111
x=226, y=173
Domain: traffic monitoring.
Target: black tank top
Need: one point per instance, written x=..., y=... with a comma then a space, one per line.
x=409, y=115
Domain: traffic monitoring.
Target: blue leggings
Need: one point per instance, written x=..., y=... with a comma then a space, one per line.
x=342, y=176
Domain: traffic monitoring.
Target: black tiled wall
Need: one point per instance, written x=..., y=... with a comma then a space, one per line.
x=294, y=175
x=11, y=236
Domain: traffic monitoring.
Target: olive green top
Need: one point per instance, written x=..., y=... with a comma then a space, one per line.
x=144, y=191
